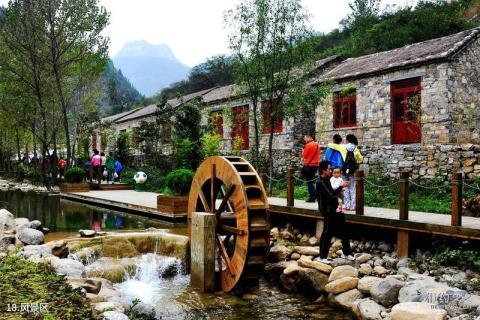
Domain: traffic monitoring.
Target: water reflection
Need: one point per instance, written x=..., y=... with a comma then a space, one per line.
x=62, y=215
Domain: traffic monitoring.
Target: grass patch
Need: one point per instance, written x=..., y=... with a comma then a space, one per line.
x=22, y=281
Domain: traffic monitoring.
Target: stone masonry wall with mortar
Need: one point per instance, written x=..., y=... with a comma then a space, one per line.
x=373, y=104
x=463, y=81
x=423, y=161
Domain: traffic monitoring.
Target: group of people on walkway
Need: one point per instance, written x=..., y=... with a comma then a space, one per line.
x=335, y=182
x=101, y=167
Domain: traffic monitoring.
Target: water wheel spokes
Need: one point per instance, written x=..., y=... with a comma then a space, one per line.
x=230, y=188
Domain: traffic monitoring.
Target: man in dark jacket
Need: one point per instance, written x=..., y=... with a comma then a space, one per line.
x=333, y=223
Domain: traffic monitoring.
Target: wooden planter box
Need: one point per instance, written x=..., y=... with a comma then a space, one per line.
x=74, y=187
x=172, y=204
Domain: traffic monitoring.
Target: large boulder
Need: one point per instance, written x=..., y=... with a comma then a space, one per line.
x=312, y=281
x=30, y=236
x=414, y=290
x=67, y=267
x=40, y=251
x=36, y=224
x=367, y=309
x=114, y=315
x=345, y=299
x=417, y=311
x=308, y=251
x=365, y=284
x=278, y=253
x=341, y=285
x=7, y=220
x=21, y=223
x=342, y=262
x=343, y=271
x=386, y=291
x=325, y=268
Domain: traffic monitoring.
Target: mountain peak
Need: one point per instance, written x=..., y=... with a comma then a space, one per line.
x=149, y=67
x=142, y=48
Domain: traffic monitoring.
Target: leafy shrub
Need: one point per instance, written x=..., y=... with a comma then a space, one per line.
x=183, y=155
x=211, y=145
x=126, y=176
x=179, y=181
x=237, y=146
x=74, y=175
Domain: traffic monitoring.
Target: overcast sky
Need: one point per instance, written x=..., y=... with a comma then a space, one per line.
x=194, y=29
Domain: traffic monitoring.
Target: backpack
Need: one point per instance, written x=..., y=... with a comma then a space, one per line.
x=350, y=165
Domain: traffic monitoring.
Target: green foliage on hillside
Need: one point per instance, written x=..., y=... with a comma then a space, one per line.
x=365, y=30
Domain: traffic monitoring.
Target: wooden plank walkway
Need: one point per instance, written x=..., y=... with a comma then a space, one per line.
x=142, y=203
x=145, y=203
x=388, y=218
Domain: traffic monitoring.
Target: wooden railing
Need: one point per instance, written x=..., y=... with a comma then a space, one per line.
x=457, y=187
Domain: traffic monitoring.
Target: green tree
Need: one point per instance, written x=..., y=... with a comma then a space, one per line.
x=124, y=147
x=77, y=51
x=273, y=54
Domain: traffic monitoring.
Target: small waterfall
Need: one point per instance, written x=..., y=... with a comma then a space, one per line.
x=155, y=276
x=86, y=256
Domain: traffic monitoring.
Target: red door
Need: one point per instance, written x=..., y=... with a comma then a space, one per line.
x=240, y=125
x=406, y=111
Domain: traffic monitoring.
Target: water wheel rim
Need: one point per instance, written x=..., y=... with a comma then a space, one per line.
x=225, y=171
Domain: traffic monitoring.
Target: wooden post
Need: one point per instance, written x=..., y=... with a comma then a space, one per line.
x=290, y=194
x=403, y=238
x=202, y=251
x=404, y=195
x=359, y=193
x=457, y=186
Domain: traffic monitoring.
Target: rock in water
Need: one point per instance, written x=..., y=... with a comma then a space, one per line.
x=30, y=236
x=345, y=299
x=365, y=284
x=7, y=221
x=87, y=233
x=417, y=311
x=114, y=315
x=278, y=253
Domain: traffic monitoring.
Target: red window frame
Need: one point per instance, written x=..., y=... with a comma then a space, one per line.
x=216, y=120
x=240, y=125
x=267, y=116
x=344, y=111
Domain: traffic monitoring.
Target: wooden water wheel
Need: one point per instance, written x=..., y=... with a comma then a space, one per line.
x=230, y=188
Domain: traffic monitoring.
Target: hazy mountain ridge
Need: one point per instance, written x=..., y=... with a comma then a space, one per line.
x=148, y=67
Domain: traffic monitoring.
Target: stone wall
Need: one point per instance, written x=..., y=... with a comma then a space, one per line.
x=423, y=161
x=373, y=104
x=463, y=82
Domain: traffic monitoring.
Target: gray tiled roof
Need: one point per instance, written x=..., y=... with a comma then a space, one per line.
x=117, y=116
x=151, y=109
x=405, y=57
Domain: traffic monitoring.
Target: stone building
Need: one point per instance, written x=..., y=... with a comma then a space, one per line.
x=414, y=107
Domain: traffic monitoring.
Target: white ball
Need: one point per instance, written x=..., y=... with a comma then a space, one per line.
x=140, y=177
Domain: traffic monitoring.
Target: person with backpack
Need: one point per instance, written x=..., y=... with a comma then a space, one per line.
x=96, y=162
x=311, y=155
x=353, y=160
x=118, y=169
x=336, y=153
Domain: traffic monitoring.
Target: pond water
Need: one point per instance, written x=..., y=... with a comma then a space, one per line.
x=171, y=297
x=64, y=218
